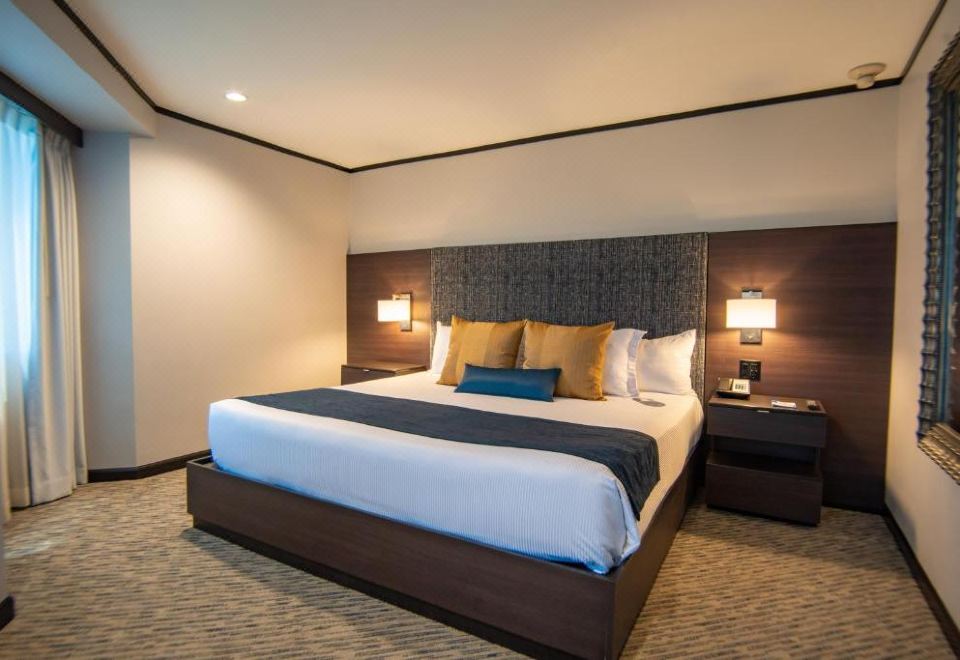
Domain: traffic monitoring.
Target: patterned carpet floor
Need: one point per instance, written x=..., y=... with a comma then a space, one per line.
x=116, y=571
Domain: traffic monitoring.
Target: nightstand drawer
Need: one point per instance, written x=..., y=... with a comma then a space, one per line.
x=361, y=372
x=767, y=425
x=351, y=375
x=785, y=490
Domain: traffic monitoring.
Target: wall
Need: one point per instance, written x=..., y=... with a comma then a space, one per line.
x=103, y=197
x=832, y=341
x=238, y=271
x=924, y=500
x=211, y=268
x=817, y=162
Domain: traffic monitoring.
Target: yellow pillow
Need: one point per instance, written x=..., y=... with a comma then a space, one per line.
x=579, y=351
x=481, y=344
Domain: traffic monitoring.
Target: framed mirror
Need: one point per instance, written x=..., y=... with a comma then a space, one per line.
x=939, y=416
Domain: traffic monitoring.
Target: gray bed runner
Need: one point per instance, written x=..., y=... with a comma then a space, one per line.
x=631, y=456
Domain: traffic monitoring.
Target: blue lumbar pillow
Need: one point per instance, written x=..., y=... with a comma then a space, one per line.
x=535, y=384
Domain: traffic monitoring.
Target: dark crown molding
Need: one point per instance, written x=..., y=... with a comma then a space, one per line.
x=114, y=62
x=249, y=138
x=646, y=121
x=927, y=29
x=730, y=107
x=33, y=104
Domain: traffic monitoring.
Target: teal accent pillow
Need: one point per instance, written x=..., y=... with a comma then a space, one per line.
x=537, y=384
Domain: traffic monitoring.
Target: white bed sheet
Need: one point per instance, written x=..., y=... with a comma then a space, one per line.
x=545, y=504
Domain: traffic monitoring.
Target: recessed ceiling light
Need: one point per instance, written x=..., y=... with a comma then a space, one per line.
x=235, y=96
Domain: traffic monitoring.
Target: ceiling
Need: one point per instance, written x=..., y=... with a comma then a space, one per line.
x=364, y=81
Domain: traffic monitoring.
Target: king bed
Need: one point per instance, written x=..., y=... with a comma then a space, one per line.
x=545, y=551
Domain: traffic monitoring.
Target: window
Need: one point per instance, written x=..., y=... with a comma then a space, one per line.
x=41, y=405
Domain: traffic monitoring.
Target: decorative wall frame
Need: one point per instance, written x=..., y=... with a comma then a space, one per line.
x=938, y=439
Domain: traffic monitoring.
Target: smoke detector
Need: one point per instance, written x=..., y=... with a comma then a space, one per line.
x=866, y=74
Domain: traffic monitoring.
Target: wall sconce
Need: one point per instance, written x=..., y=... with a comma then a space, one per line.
x=751, y=313
x=399, y=308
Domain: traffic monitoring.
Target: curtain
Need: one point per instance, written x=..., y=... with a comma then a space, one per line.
x=41, y=419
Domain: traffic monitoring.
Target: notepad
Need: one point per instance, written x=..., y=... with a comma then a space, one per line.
x=783, y=404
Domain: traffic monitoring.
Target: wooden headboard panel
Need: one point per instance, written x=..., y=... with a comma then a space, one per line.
x=655, y=283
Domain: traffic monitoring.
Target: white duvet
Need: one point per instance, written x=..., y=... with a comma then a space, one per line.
x=545, y=504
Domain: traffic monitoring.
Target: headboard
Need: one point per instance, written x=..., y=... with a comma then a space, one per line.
x=654, y=283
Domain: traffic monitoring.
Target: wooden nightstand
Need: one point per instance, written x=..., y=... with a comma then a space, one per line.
x=766, y=460
x=359, y=372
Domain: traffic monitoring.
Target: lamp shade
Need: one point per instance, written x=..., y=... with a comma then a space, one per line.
x=393, y=310
x=752, y=313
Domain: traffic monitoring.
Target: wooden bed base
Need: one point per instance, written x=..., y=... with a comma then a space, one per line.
x=534, y=606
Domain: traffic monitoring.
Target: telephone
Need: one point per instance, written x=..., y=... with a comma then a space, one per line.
x=733, y=388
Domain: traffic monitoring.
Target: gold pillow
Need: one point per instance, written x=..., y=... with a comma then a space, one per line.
x=579, y=351
x=482, y=344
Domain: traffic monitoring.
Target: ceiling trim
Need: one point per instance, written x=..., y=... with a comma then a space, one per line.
x=47, y=115
x=646, y=121
x=92, y=38
x=689, y=114
x=927, y=29
x=166, y=112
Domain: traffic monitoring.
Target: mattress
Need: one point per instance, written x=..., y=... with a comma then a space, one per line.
x=544, y=504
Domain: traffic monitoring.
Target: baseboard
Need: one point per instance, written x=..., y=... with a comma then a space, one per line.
x=141, y=471
x=7, y=611
x=940, y=613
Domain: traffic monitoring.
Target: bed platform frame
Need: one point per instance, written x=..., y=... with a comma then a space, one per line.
x=537, y=607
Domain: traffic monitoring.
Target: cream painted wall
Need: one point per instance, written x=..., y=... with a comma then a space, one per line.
x=238, y=279
x=103, y=196
x=923, y=499
x=823, y=161
x=210, y=268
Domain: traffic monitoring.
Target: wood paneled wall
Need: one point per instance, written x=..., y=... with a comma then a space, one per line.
x=376, y=276
x=834, y=292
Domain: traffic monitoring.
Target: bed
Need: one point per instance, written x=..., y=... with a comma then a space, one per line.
x=532, y=549
x=543, y=504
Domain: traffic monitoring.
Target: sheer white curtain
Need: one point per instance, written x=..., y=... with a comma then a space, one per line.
x=41, y=420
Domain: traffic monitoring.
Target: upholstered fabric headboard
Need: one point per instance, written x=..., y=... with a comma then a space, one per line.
x=655, y=283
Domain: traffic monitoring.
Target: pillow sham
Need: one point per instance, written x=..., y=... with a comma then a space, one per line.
x=663, y=364
x=480, y=343
x=441, y=346
x=620, y=362
x=578, y=351
x=537, y=384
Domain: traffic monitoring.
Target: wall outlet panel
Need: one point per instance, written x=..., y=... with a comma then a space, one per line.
x=750, y=369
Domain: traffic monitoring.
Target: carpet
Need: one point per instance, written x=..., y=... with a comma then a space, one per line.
x=115, y=570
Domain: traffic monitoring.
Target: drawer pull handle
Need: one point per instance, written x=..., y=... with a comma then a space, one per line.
x=764, y=412
x=366, y=371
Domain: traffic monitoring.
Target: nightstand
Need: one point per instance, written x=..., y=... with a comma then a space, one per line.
x=766, y=460
x=359, y=372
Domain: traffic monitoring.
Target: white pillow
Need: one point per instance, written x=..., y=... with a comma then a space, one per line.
x=620, y=362
x=441, y=345
x=663, y=364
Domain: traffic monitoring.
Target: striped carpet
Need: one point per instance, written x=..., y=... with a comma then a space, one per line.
x=116, y=571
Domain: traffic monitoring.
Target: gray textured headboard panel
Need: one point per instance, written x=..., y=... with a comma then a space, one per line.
x=655, y=283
